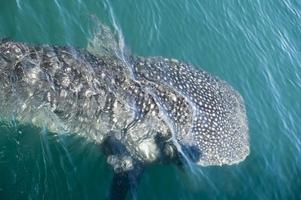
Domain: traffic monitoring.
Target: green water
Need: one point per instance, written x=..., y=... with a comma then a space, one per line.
x=253, y=44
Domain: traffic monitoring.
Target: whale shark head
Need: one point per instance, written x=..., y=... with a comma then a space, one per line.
x=205, y=114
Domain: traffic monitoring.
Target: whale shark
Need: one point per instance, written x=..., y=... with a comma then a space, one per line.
x=143, y=111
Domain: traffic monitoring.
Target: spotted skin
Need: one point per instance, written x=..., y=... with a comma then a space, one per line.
x=70, y=90
x=218, y=126
x=79, y=93
x=145, y=111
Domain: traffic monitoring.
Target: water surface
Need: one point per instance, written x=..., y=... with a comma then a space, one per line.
x=253, y=45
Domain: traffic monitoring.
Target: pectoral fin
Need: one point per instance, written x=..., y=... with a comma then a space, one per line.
x=127, y=171
x=125, y=182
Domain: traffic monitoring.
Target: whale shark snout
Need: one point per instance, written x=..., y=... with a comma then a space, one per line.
x=206, y=115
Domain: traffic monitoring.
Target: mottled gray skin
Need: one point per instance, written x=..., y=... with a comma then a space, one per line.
x=71, y=91
x=144, y=111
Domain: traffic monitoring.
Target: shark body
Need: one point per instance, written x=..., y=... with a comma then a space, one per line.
x=144, y=111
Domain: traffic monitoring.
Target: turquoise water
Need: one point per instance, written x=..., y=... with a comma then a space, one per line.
x=254, y=45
